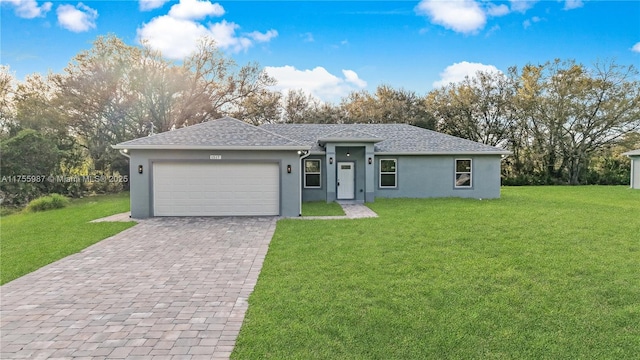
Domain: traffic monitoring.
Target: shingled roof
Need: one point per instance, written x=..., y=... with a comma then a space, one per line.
x=232, y=134
x=226, y=133
x=393, y=138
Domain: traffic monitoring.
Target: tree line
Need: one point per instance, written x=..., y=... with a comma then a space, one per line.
x=564, y=122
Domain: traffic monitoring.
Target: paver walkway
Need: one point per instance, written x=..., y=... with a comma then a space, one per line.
x=167, y=288
x=351, y=211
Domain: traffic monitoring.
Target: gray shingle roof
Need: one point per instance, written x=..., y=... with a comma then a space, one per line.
x=632, y=153
x=350, y=134
x=224, y=133
x=396, y=138
x=230, y=133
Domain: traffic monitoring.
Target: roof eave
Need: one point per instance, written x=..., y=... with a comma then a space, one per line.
x=632, y=153
x=413, y=153
x=209, y=147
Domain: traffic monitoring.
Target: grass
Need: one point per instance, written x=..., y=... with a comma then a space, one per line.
x=542, y=273
x=321, y=208
x=33, y=240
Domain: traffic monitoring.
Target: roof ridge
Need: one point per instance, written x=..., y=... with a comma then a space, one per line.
x=351, y=127
x=265, y=130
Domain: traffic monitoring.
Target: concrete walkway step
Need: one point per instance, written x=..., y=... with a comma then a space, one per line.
x=351, y=211
x=122, y=217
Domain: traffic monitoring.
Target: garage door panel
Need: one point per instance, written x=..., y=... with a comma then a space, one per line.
x=223, y=189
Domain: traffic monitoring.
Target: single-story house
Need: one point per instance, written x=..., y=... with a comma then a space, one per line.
x=227, y=167
x=635, y=168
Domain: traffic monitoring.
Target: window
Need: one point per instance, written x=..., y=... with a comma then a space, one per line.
x=388, y=173
x=312, y=173
x=463, y=173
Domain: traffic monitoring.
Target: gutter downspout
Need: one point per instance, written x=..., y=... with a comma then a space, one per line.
x=123, y=153
x=303, y=156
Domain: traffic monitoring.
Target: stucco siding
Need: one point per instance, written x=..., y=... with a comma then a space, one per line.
x=142, y=184
x=434, y=176
x=635, y=172
x=316, y=194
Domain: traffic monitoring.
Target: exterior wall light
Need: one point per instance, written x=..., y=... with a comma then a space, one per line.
x=288, y=169
x=370, y=161
x=139, y=169
x=330, y=160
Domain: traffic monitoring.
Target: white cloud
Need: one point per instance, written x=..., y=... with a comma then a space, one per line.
x=77, y=19
x=146, y=5
x=260, y=37
x=353, y=78
x=195, y=10
x=29, y=9
x=522, y=5
x=527, y=23
x=573, y=4
x=464, y=16
x=317, y=82
x=636, y=47
x=175, y=38
x=177, y=34
x=497, y=10
x=458, y=71
x=307, y=37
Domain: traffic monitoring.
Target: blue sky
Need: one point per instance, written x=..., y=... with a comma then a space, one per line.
x=331, y=48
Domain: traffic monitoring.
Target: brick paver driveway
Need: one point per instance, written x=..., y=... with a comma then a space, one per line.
x=172, y=288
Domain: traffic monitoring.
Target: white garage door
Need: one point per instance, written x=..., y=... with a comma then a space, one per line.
x=222, y=189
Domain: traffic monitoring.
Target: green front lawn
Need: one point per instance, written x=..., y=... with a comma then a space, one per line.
x=321, y=208
x=542, y=273
x=33, y=240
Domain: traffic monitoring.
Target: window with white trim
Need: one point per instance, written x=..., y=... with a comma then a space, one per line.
x=312, y=173
x=463, y=173
x=388, y=173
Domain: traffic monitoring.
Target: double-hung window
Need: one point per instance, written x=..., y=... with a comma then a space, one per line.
x=463, y=173
x=388, y=173
x=312, y=173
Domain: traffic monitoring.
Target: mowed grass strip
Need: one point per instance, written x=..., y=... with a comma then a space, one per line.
x=321, y=208
x=33, y=240
x=542, y=273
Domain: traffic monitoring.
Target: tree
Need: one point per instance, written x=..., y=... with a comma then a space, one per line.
x=7, y=108
x=297, y=107
x=215, y=88
x=386, y=106
x=27, y=160
x=261, y=107
x=99, y=102
x=570, y=112
x=478, y=108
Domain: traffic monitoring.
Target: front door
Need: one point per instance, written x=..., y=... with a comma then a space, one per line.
x=346, y=181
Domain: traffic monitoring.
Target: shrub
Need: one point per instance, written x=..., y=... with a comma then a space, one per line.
x=53, y=201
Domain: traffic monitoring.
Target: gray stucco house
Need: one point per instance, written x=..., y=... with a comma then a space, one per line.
x=227, y=167
x=635, y=168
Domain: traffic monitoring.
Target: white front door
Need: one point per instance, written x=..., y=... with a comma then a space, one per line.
x=346, y=181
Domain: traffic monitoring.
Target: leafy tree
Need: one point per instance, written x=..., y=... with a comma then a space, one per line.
x=97, y=98
x=478, y=108
x=297, y=107
x=32, y=155
x=570, y=112
x=261, y=107
x=386, y=106
x=7, y=108
x=216, y=86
